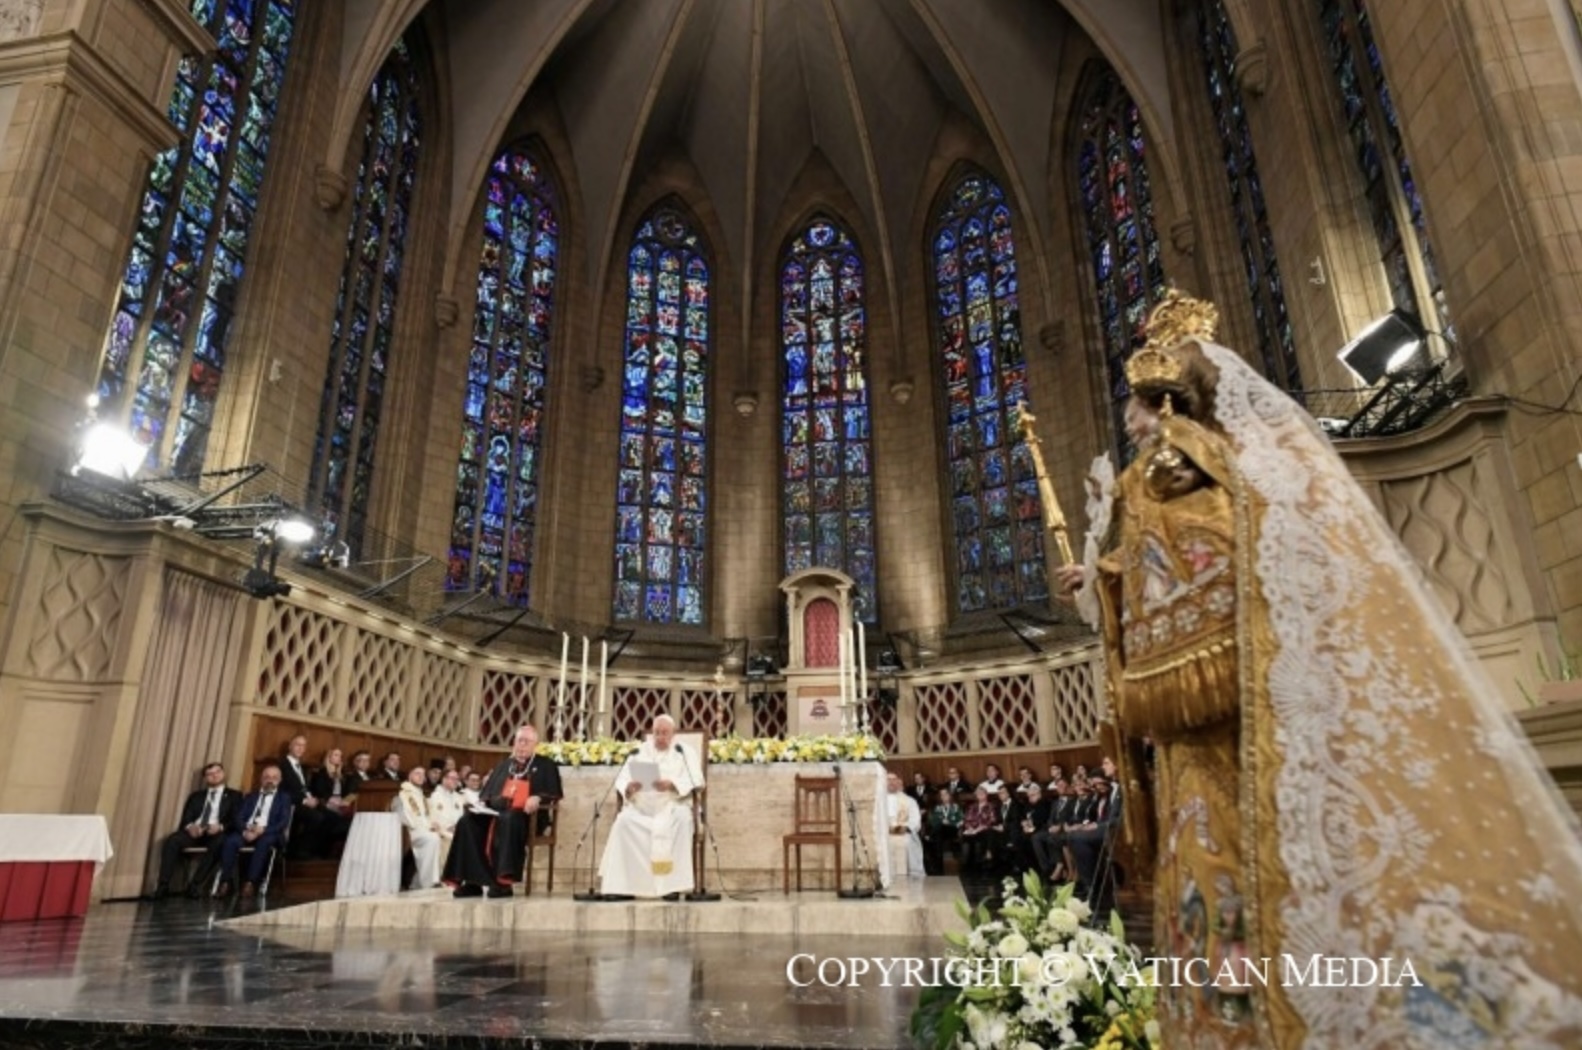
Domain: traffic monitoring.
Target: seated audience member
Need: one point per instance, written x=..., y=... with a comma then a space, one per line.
x=1087, y=840
x=650, y=849
x=1056, y=774
x=991, y=781
x=941, y=831
x=957, y=785
x=1024, y=779
x=205, y=816
x=463, y=771
x=436, y=773
x=412, y=808
x=361, y=770
x=335, y=789
x=445, y=808
x=980, y=829
x=260, y=822
x=1030, y=817
x=921, y=793
x=391, y=767
x=905, y=825
x=473, y=782
x=488, y=850
x=1049, y=842
x=308, y=819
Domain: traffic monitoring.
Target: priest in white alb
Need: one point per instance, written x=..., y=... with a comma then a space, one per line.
x=904, y=824
x=650, y=848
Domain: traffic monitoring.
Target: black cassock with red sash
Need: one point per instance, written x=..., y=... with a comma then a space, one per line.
x=488, y=850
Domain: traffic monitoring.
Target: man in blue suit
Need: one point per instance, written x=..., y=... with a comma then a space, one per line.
x=260, y=822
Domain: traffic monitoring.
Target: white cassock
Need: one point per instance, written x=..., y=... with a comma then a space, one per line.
x=412, y=808
x=445, y=808
x=906, y=849
x=650, y=849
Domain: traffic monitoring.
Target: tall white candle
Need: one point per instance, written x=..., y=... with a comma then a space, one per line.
x=862, y=659
x=560, y=692
x=604, y=668
x=582, y=694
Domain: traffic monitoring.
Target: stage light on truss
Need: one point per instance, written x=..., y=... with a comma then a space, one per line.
x=1387, y=346
x=109, y=450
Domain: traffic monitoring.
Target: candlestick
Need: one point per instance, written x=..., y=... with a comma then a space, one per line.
x=560, y=693
x=862, y=660
x=582, y=694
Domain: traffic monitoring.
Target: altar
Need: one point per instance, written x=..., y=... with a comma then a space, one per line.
x=749, y=808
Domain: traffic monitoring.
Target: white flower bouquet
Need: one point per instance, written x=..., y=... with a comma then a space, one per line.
x=855, y=747
x=1034, y=977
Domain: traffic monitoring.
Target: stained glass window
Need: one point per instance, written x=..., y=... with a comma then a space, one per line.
x=1260, y=267
x=827, y=446
x=343, y=459
x=1380, y=154
x=164, y=355
x=497, y=475
x=993, y=489
x=1118, y=227
x=661, y=510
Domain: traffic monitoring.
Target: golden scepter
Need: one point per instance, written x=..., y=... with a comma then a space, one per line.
x=1054, y=517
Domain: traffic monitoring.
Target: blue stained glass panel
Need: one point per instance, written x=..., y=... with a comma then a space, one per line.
x=980, y=348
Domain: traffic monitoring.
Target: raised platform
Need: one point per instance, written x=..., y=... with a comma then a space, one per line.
x=914, y=907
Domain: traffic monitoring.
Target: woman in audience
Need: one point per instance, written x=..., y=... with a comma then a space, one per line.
x=979, y=828
x=337, y=792
x=412, y=808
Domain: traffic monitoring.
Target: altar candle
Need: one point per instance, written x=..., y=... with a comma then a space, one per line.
x=604, y=668
x=582, y=696
x=560, y=693
x=862, y=659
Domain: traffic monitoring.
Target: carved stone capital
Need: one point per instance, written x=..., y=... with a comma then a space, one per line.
x=19, y=19
x=1052, y=337
x=1183, y=235
x=746, y=403
x=901, y=390
x=446, y=310
x=1252, y=69
x=592, y=377
x=329, y=187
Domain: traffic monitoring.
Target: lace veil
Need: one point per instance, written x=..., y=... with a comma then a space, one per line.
x=1391, y=807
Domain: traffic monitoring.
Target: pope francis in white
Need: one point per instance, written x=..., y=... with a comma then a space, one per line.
x=904, y=822
x=650, y=848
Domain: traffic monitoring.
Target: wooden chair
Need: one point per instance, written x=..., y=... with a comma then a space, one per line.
x=536, y=838
x=817, y=823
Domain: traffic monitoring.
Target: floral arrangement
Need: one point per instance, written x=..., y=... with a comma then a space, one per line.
x=732, y=749
x=1034, y=977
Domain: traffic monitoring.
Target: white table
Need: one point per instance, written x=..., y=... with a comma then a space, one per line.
x=371, y=861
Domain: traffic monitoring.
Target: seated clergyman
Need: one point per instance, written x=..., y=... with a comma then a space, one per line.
x=650, y=848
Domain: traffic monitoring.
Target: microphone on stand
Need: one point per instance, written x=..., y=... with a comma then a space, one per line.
x=859, y=846
x=697, y=893
x=593, y=894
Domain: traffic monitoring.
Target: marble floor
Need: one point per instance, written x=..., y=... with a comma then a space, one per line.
x=170, y=974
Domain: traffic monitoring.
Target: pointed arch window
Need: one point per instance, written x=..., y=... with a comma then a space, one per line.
x=827, y=488
x=1116, y=203
x=661, y=505
x=354, y=386
x=1261, y=268
x=164, y=355
x=1395, y=208
x=995, y=509
x=497, y=475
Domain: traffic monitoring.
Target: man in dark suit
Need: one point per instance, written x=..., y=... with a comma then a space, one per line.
x=488, y=851
x=391, y=770
x=1087, y=841
x=261, y=823
x=294, y=779
x=204, y=818
x=921, y=793
x=957, y=785
x=1031, y=814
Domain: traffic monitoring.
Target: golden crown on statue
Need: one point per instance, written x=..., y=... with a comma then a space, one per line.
x=1177, y=318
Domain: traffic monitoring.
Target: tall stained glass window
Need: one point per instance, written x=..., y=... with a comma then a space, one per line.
x=1260, y=267
x=1394, y=205
x=1118, y=226
x=164, y=356
x=661, y=509
x=491, y=536
x=828, y=445
x=343, y=459
x=993, y=489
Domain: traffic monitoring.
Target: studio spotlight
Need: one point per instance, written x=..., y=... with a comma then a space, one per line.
x=291, y=531
x=1387, y=346
x=109, y=450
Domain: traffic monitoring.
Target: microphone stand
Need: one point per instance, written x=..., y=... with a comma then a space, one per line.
x=698, y=893
x=859, y=846
x=593, y=895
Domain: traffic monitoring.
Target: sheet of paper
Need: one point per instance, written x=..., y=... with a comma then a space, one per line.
x=644, y=773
